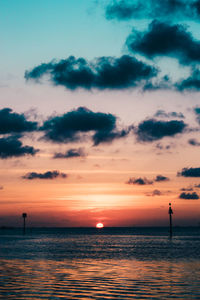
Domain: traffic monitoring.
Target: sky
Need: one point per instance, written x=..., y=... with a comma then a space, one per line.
x=99, y=112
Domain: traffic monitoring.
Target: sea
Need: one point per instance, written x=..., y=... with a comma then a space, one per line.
x=107, y=263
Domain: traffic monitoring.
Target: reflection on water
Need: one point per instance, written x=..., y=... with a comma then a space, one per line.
x=96, y=279
x=68, y=265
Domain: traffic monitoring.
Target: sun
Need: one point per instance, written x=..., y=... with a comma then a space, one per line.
x=99, y=225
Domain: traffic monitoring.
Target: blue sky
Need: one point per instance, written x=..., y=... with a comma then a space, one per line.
x=37, y=31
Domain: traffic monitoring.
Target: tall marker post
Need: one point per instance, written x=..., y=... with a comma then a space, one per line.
x=24, y=216
x=170, y=220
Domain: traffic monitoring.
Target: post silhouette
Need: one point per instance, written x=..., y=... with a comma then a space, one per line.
x=24, y=216
x=170, y=220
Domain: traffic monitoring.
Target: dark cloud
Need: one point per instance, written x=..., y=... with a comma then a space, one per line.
x=12, y=147
x=192, y=196
x=11, y=122
x=167, y=9
x=163, y=114
x=71, y=153
x=192, y=83
x=193, y=142
x=109, y=136
x=151, y=130
x=160, y=178
x=70, y=126
x=145, y=181
x=162, y=39
x=1, y=187
x=196, y=6
x=139, y=181
x=189, y=172
x=46, y=175
x=103, y=73
x=67, y=127
x=197, y=112
x=197, y=186
x=154, y=84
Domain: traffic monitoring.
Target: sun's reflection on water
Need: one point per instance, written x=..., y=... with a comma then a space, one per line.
x=98, y=279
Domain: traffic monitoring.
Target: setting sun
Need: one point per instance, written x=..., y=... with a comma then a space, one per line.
x=99, y=225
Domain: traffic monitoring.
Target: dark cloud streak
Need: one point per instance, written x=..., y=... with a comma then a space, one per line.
x=191, y=83
x=12, y=147
x=161, y=178
x=122, y=10
x=193, y=142
x=151, y=130
x=46, y=175
x=189, y=196
x=11, y=122
x=189, y=172
x=71, y=127
x=71, y=153
x=102, y=73
x=139, y=181
x=163, y=114
x=109, y=136
x=163, y=39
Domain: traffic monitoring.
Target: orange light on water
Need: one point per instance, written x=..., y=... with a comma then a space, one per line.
x=99, y=225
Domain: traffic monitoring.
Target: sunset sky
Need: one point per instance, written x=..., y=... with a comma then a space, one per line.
x=100, y=112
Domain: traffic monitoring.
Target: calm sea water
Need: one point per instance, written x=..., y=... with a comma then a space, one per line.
x=110, y=263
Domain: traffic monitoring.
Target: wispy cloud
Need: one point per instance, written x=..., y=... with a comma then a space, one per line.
x=173, y=114
x=139, y=181
x=123, y=10
x=71, y=153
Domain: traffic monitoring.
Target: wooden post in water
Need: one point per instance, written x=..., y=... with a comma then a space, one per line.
x=24, y=216
x=170, y=220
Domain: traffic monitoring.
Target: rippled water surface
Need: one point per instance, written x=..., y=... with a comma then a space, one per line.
x=111, y=264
